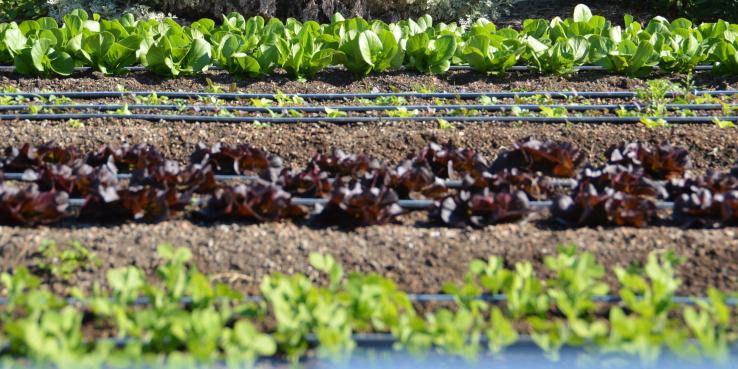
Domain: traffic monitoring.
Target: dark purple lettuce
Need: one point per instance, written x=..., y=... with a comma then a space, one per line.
x=590, y=207
x=411, y=181
x=551, y=158
x=513, y=180
x=311, y=182
x=242, y=159
x=358, y=206
x=480, y=209
x=663, y=162
x=127, y=158
x=31, y=157
x=629, y=180
x=715, y=182
x=703, y=208
x=450, y=162
x=143, y=204
x=28, y=206
x=255, y=203
x=340, y=164
x=78, y=182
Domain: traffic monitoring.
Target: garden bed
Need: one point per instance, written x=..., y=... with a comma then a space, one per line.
x=709, y=146
x=339, y=80
x=418, y=257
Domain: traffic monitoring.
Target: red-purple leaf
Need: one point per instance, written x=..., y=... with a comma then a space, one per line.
x=663, y=162
x=480, y=209
x=358, y=207
x=29, y=207
x=552, y=158
x=255, y=203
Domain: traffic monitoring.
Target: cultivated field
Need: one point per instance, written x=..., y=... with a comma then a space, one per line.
x=570, y=183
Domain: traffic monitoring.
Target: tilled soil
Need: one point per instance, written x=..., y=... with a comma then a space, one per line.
x=709, y=146
x=419, y=258
x=339, y=80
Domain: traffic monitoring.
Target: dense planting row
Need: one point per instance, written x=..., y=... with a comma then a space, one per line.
x=361, y=190
x=255, y=48
x=188, y=320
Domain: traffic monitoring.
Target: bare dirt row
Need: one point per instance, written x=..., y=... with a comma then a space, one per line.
x=709, y=146
x=342, y=81
x=420, y=258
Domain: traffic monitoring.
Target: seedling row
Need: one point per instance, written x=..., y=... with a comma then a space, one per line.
x=358, y=190
x=658, y=104
x=255, y=48
x=217, y=326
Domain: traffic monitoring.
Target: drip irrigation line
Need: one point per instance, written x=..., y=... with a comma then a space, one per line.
x=15, y=176
x=305, y=201
x=450, y=183
x=405, y=204
x=350, y=96
x=365, y=340
x=374, y=119
x=361, y=108
x=432, y=298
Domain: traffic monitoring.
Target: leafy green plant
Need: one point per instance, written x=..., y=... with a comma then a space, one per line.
x=651, y=123
x=302, y=54
x=492, y=53
x=335, y=113
x=560, y=57
x=284, y=99
x=558, y=112
x=108, y=54
x=444, y=124
x=152, y=99
x=42, y=58
x=244, y=56
x=431, y=53
x=63, y=263
x=75, y=124
x=646, y=326
x=22, y=9
x=725, y=56
x=402, y=112
x=364, y=48
x=710, y=324
x=723, y=124
x=175, y=51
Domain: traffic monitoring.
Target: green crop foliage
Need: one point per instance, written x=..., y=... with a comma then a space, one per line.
x=364, y=48
x=256, y=48
x=189, y=319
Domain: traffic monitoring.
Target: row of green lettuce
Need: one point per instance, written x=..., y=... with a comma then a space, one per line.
x=190, y=320
x=255, y=48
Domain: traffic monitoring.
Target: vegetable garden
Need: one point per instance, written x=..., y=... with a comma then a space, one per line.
x=360, y=185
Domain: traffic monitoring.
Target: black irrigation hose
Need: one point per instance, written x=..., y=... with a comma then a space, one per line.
x=350, y=96
x=348, y=120
x=362, y=108
x=450, y=183
x=438, y=297
x=405, y=204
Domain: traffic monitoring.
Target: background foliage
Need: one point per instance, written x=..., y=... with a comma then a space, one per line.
x=449, y=10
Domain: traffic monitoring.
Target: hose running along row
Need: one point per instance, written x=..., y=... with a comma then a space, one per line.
x=450, y=183
x=440, y=297
x=405, y=204
x=377, y=119
x=364, y=108
x=351, y=96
